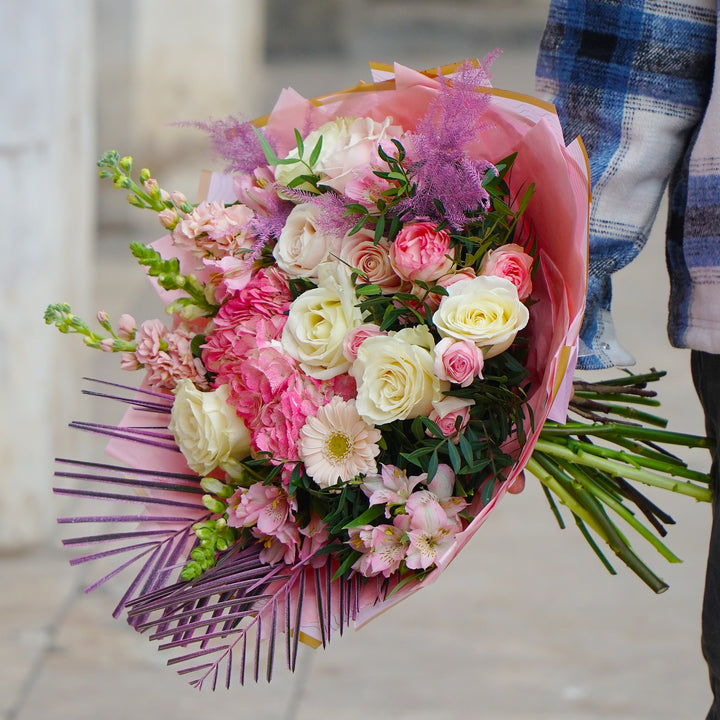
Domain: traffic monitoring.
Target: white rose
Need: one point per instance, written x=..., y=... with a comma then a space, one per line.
x=485, y=310
x=207, y=430
x=395, y=379
x=349, y=145
x=318, y=321
x=302, y=246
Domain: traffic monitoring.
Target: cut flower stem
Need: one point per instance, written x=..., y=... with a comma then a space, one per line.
x=595, y=481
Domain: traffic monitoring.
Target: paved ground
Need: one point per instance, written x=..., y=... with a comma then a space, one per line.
x=526, y=624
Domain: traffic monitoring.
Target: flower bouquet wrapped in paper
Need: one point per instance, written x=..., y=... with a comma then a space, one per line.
x=373, y=312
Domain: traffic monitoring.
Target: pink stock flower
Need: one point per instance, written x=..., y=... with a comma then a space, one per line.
x=445, y=415
x=372, y=259
x=421, y=252
x=512, y=263
x=167, y=355
x=215, y=230
x=458, y=361
x=356, y=336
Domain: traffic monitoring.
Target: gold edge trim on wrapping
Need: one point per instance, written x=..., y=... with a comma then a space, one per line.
x=364, y=86
x=561, y=369
x=309, y=640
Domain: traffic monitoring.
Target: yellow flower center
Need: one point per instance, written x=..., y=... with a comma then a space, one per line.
x=337, y=446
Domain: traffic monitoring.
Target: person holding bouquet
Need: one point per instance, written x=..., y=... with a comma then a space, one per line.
x=638, y=82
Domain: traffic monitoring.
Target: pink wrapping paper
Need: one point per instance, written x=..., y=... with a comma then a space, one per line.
x=557, y=218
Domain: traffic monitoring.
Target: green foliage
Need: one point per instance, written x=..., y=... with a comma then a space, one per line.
x=214, y=537
x=169, y=277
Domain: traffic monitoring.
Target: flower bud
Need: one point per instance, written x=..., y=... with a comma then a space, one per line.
x=168, y=218
x=178, y=199
x=126, y=163
x=213, y=505
x=106, y=345
x=102, y=317
x=126, y=327
x=212, y=485
x=151, y=187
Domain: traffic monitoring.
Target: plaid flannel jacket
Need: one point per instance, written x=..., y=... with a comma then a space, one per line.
x=635, y=80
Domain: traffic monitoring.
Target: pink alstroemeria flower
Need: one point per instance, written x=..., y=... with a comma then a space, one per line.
x=391, y=487
x=431, y=531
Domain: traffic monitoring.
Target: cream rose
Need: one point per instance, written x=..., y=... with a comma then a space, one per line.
x=318, y=321
x=207, y=430
x=349, y=148
x=485, y=310
x=302, y=246
x=395, y=378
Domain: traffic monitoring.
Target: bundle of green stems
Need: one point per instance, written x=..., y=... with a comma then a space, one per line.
x=594, y=462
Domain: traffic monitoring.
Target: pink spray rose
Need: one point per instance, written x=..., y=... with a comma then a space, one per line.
x=510, y=262
x=458, y=361
x=421, y=252
x=360, y=251
x=446, y=412
x=356, y=337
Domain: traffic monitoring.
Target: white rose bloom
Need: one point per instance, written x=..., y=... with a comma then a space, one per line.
x=395, y=378
x=318, y=321
x=207, y=430
x=485, y=310
x=301, y=246
x=347, y=144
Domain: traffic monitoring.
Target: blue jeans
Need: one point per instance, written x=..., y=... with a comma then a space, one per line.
x=706, y=377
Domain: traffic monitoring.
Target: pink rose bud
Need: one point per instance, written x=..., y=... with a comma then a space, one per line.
x=445, y=414
x=168, y=218
x=421, y=252
x=356, y=337
x=458, y=361
x=178, y=199
x=126, y=327
x=512, y=263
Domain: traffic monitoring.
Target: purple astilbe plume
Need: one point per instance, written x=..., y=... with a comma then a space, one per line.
x=234, y=140
x=269, y=225
x=444, y=172
x=332, y=219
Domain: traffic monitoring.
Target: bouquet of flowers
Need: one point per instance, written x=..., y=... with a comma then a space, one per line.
x=374, y=311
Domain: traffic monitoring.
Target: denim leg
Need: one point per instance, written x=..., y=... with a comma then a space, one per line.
x=706, y=377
